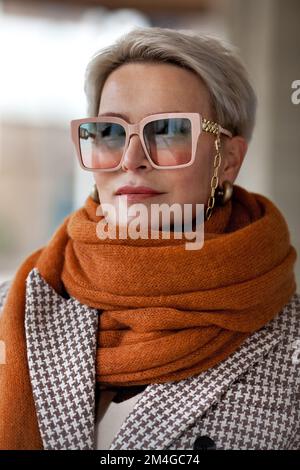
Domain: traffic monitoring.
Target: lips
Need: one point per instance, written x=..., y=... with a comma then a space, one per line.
x=136, y=190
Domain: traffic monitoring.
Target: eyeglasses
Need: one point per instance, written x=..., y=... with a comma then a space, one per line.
x=169, y=140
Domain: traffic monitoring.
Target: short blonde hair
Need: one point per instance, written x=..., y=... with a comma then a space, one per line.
x=217, y=63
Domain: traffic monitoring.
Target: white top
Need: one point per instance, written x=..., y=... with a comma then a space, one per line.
x=110, y=417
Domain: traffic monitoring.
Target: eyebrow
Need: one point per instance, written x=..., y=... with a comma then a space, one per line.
x=124, y=116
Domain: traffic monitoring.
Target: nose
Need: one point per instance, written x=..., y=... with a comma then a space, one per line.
x=135, y=157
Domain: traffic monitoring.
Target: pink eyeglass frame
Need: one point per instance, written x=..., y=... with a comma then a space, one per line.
x=198, y=124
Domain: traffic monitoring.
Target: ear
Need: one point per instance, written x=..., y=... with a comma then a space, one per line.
x=233, y=153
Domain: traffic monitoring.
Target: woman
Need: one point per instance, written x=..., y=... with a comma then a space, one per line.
x=141, y=343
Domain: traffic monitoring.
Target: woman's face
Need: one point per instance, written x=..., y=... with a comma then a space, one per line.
x=135, y=90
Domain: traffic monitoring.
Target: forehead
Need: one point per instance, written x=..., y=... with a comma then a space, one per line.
x=145, y=88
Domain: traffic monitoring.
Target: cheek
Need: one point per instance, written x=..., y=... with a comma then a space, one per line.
x=192, y=179
x=202, y=170
x=192, y=184
x=105, y=185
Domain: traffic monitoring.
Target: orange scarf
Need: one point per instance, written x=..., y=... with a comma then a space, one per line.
x=166, y=313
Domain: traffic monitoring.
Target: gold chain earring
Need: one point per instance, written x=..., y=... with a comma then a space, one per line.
x=214, y=179
x=94, y=194
x=220, y=195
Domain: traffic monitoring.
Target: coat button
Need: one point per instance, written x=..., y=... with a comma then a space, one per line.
x=204, y=443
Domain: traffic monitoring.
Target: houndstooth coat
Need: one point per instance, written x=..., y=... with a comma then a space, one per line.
x=248, y=401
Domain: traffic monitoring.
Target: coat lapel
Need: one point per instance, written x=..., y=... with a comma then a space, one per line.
x=61, y=346
x=165, y=411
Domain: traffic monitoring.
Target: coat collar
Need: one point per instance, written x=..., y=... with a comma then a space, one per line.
x=61, y=343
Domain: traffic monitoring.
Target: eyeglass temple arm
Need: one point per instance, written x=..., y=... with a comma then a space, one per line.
x=214, y=127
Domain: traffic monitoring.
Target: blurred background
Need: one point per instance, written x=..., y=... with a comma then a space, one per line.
x=45, y=47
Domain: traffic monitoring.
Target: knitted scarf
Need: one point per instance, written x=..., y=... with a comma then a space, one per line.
x=165, y=312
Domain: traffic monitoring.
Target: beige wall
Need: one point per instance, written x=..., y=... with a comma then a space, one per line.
x=36, y=185
x=268, y=35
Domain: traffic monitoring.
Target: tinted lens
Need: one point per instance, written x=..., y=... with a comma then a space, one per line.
x=169, y=141
x=101, y=144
